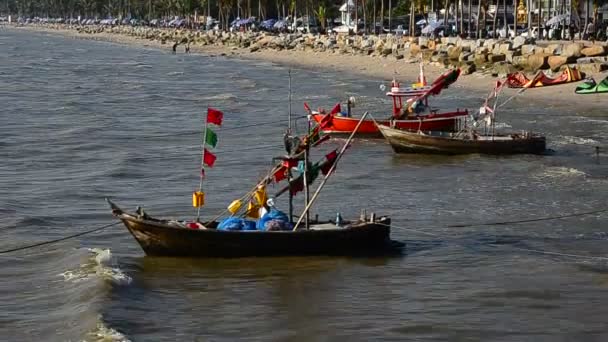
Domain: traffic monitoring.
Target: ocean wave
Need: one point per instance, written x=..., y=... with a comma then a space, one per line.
x=225, y=96
x=502, y=125
x=567, y=139
x=102, y=333
x=175, y=73
x=97, y=265
x=562, y=171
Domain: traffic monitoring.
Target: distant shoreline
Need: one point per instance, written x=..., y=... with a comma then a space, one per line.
x=375, y=67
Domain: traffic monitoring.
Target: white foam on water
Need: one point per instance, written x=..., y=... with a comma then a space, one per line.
x=175, y=73
x=575, y=140
x=102, y=333
x=226, y=96
x=97, y=266
x=502, y=125
x=562, y=171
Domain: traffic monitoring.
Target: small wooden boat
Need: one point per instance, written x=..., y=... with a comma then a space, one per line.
x=591, y=87
x=337, y=123
x=261, y=229
x=466, y=141
x=519, y=79
x=433, y=142
x=159, y=237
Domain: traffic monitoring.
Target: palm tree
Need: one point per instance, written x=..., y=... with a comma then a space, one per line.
x=321, y=13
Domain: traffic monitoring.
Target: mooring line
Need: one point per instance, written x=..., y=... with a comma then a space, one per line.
x=58, y=240
x=548, y=218
x=538, y=251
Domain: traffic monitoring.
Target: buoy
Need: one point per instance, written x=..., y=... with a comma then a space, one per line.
x=235, y=206
x=198, y=199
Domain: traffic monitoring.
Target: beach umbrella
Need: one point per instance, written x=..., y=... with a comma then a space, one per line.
x=428, y=29
x=557, y=19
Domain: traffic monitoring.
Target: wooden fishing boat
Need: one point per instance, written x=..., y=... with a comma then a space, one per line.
x=159, y=237
x=519, y=79
x=591, y=87
x=469, y=139
x=433, y=142
x=336, y=122
x=261, y=229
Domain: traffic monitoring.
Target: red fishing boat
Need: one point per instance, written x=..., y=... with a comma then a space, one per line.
x=335, y=122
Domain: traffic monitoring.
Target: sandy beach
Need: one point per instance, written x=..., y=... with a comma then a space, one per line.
x=375, y=67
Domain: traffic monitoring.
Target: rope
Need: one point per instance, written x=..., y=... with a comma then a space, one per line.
x=167, y=135
x=538, y=251
x=498, y=223
x=556, y=253
x=58, y=240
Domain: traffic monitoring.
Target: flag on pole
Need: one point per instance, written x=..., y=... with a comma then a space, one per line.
x=210, y=137
x=209, y=158
x=214, y=116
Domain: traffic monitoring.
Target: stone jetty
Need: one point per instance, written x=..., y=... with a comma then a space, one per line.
x=497, y=57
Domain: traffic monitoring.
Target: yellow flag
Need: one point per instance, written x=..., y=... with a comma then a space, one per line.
x=260, y=195
x=253, y=210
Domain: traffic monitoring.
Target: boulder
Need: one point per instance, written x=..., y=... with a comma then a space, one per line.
x=504, y=47
x=520, y=61
x=553, y=49
x=503, y=69
x=509, y=55
x=464, y=56
x=592, y=68
x=594, y=50
x=538, y=61
x=481, y=58
x=572, y=50
x=528, y=49
x=518, y=42
x=555, y=62
x=423, y=41
x=414, y=49
x=468, y=68
x=454, y=52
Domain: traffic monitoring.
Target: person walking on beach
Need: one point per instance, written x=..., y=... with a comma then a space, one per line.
x=175, y=47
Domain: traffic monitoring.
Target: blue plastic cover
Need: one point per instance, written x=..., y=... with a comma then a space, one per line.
x=236, y=223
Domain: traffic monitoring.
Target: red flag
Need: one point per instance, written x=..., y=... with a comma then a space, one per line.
x=331, y=156
x=307, y=107
x=297, y=186
x=336, y=109
x=289, y=163
x=214, y=116
x=331, y=159
x=209, y=158
x=279, y=174
x=325, y=121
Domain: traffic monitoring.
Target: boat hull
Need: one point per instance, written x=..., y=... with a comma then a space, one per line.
x=159, y=239
x=414, y=142
x=346, y=125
